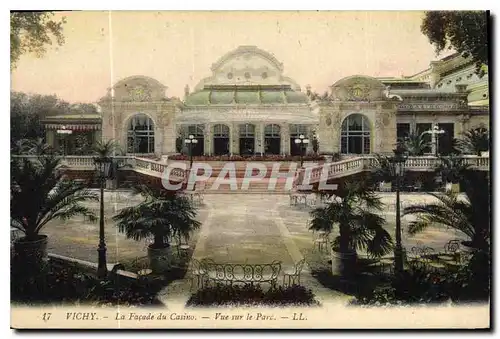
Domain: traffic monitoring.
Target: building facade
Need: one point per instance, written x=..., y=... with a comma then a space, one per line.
x=249, y=106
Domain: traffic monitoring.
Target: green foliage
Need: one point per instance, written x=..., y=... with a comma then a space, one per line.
x=383, y=168
x=30, y=32
x=355, y=210
x=469, y=215
x=474, y=141
x=470, y=282
x=40, y=193
x=163, y=214
x=252, y=295
x=452, y=168
x=464, y=31
x=415, y=144
x=68, y=285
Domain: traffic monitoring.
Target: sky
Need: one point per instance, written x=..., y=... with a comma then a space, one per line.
x=178, y=48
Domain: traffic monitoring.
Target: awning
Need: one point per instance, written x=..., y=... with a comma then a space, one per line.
x=73, y=127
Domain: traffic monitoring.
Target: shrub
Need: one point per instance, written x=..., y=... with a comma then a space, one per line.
x=252, y=295
x=69, y=285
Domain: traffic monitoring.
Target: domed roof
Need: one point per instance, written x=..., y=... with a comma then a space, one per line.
x=247, y=95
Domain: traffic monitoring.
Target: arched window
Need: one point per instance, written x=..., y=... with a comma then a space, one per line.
x=355, y=135
x=295, y=132
x=198, y=132
x=221, y=139
x=140, y=135
x=272, y=139
x=247, y=139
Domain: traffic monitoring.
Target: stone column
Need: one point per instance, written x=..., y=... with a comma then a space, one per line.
x=285, y=138
x=235, y=138
x=258, y=139
x=309, y=147
x=262, y=138
x=49, y=135
x=208, y=137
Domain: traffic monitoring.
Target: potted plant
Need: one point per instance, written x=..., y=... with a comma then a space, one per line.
x=383, y=172
x=452, y=169
x=39, y=194
x=353, y=211
x=162, y=215
x=415, y=144
x=475, y=141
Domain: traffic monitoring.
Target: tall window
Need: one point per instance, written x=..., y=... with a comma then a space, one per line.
x=421, y=128
x=355, y=135
x=140, y=135
x=272, y=139
x=247, y=139
x=295, y=132
x=198, y=132
x=221, y=139
x=445, y=140
x=403, y=131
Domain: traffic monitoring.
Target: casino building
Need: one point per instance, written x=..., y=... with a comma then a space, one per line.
x=249, y=106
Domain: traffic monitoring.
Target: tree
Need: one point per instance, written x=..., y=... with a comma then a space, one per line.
x=383, y=169
x=415, y=144
x=469, y=215
x=30, y=32
x=360, y=228
x=40, y=193
x=474, y=141
x=162, y=215
x=452, y=168
x=464, y=31
x=27, y=111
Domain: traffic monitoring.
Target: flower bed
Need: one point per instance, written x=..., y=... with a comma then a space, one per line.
x=248, y=295
x=296, y=158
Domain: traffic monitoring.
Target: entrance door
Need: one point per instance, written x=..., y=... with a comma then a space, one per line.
x=247, y=146
x=247, y=139
x=221, y=139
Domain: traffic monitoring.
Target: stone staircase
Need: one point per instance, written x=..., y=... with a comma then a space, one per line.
x=259, y=187
x=150, y=168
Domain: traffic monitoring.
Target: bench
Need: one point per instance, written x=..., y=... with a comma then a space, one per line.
x=246, y=274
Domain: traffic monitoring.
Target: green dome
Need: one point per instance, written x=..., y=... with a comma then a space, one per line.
x=255, y=95
x=296, y=97
x=222, y=97
x=198, y=98
x=247, y=97
x=272, y=97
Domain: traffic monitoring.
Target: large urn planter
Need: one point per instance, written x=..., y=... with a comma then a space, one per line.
x=31, y=253
x=160, y=258
x=453, y=187
x=339, y=259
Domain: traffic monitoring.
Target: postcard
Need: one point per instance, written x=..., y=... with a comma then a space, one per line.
x=239, y=170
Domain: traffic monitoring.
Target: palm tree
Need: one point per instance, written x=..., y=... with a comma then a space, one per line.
x=108, y=150
x=360, y=227
x=383, y=169
x=39, y=194
x=32, y=147
x=474, y=141
x=415, y=144
x=452, y=168
x=468, y=215
x=163, y=215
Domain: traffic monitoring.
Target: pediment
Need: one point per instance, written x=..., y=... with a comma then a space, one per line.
x=358, y=88
x=139, y=89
